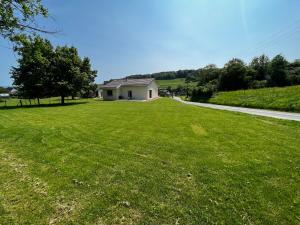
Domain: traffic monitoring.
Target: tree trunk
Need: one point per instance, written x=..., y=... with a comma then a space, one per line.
x=21, y=103
x=62, y=100
x=73, y=97
x=38, y=101
x=30, y=102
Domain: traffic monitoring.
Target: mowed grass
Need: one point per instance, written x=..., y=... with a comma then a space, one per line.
x=174, y=83
x=159, y=162
x=285, y=99
x=54, y=101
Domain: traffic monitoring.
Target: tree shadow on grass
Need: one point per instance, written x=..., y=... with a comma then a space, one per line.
x=43, y=105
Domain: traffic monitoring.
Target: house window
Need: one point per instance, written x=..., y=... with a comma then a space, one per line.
x=109, y=93
x=150, y=93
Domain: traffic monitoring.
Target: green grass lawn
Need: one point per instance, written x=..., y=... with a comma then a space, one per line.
x=15, y=103
x=159, y=162
x=174, y=83
x=286, y=98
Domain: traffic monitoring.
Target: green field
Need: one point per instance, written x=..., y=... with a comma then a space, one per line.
x=286, y=98
x=174, y=83
x=159, y=162
x=15, y=103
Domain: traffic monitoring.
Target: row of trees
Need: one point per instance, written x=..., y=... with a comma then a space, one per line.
x=44, y=71
x=235, y=75
x=261, y=72
x=169, y=75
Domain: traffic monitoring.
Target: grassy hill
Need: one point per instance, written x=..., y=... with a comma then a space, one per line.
x=174, y=83
x=159, y=162
x=286, y=98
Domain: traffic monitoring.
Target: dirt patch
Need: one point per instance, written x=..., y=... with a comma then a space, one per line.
x=21, y=168
x=132, y=216
x=198, y=129
x=63, y=211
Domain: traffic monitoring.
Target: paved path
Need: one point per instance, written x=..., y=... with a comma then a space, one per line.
x=258, y=112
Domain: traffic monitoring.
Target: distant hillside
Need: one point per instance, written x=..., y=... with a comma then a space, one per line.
x=286, y=98
x=169, y=75
x=174, y=83
x=5, y=89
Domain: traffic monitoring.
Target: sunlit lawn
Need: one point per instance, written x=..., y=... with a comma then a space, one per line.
x=159, y=162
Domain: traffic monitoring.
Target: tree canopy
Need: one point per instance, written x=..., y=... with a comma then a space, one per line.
x=71, y=74
x=233, y=75
x=209, y=73
x=45, y=71
x=278, y=71
x=33, y=71
x=260, y=67
x=17, y=17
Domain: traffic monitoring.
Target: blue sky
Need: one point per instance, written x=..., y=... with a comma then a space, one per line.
x=146, y=36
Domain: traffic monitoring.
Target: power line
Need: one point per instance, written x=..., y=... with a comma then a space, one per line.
x=283, y=34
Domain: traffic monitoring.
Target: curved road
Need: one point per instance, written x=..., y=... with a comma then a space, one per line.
x=258, y=112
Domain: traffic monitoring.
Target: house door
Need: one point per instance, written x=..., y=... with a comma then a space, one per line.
x=150, y=93
x=130, y=94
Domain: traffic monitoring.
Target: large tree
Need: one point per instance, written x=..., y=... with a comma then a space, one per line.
x=32, y=75
x=88, y=78
x=19, y=17
x=70, y=74
x=207, y=74
x=43, y=71
x=260, y=66
x=233, y=76
x=278, y=71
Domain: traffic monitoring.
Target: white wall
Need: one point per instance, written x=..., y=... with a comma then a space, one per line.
x=138, y=92
x=114, y=96
x=154, y=87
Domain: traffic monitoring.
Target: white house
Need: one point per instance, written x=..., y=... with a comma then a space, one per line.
x=132, y=89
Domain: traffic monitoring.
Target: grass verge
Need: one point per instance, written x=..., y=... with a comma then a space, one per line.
x=284, y=99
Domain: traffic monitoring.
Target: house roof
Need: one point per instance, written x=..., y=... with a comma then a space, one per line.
x=127, y=82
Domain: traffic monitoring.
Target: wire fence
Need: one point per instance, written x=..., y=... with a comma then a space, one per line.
x=6, y=103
